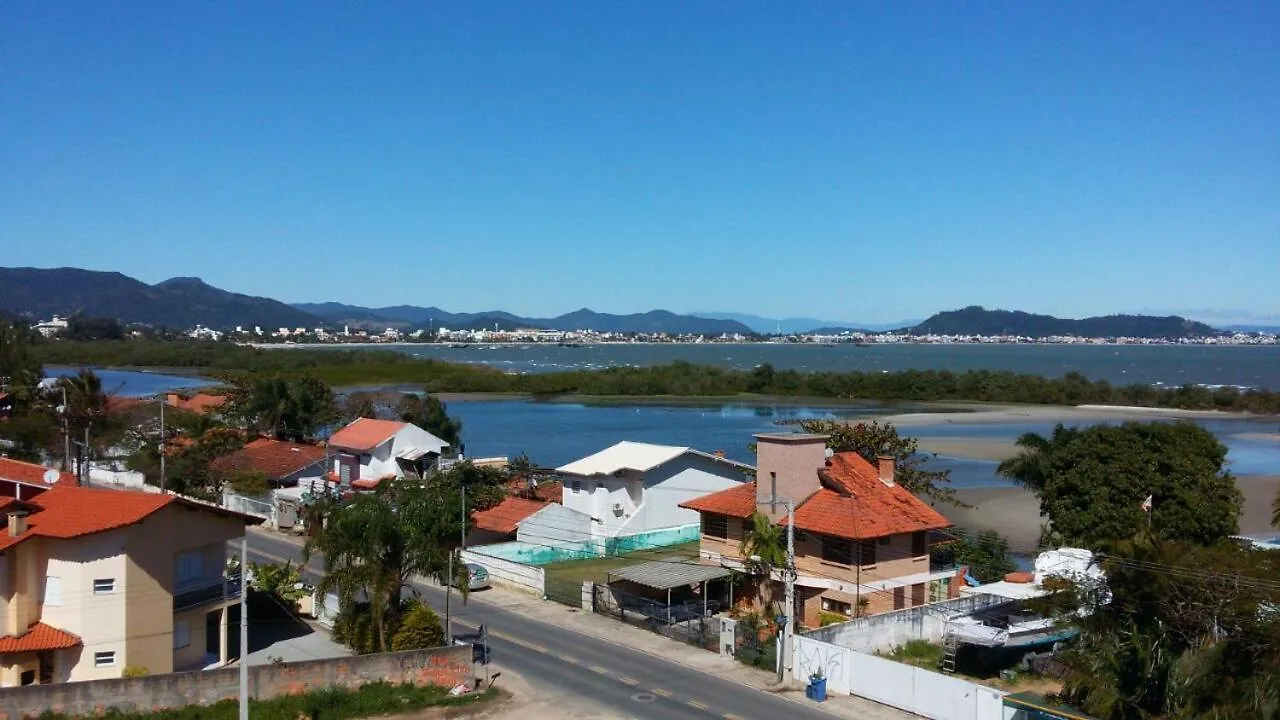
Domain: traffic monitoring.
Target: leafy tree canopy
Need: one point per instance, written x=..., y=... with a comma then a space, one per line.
x=873, y=439
x=986, y=554
x=427, y=412
x=286, y=408
x=1092, y=482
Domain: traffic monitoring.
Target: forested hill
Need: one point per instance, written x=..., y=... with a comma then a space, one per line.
x=976, y=320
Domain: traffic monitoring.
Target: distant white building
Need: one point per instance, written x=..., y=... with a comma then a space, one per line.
x=634, y=487
x=370, y=451
x=49, y=328
x=203, y=333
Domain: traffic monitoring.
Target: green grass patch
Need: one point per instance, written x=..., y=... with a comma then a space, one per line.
x=920, y=653
x=328, y=704
x=597, y=569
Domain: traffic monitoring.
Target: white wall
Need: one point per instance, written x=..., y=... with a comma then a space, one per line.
x=524, y=577
x=382, y=461
x=916, y=690
x=555, y=525
x=659, y=492
x=885, y=631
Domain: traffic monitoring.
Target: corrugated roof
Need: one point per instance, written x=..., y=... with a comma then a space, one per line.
x=365, y=434
x=668, y=573
x=641, y=457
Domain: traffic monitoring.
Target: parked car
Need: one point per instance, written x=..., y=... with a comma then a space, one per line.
x=476, y=574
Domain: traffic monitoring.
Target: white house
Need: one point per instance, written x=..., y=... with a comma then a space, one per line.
x=369, y=451
x=633, y=487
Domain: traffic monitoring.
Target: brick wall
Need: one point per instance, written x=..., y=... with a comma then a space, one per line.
x=445, y=667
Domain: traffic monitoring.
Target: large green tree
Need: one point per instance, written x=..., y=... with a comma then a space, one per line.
x=427, y=412
x=874, y=439
x=1176, y=631
x=1092, y=482
x=987, y=555
x=292, y=408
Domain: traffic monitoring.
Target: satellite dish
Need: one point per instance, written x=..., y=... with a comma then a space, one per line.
x=52, y=476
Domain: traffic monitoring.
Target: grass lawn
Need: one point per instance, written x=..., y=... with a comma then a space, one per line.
x=574, y=572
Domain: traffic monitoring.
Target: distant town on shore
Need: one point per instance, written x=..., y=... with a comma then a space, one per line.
x=190, y=307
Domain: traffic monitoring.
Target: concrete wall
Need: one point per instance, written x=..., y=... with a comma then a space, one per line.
x=886, y=631
x=925, y=693
x=557, y=526
x=445, y=667
x=507, y=572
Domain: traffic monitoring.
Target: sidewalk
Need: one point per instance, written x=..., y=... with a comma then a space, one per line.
x=603, y=628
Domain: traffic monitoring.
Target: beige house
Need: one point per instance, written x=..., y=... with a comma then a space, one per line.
x=861, y=540
x=96, y=581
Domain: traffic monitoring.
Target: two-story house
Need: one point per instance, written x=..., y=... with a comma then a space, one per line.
x=632, y=488
x=96, y=581
x=369, y=451
x=861, y=540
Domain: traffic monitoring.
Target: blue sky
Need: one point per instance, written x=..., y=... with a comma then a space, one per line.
x=861, y=161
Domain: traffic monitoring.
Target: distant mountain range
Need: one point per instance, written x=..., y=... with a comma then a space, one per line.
x=975, y=320
x=769, y=326
x=408, y=316
x=182, y=302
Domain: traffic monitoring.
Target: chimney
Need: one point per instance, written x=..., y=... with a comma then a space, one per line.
x=885, y=464
x=787, y=466
x=17, y=522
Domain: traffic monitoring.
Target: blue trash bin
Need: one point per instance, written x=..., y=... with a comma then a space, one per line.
x=817, y=690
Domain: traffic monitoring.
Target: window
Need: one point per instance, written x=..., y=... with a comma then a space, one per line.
x=835, y=606
x=866, y=553
x=716, y=526
x=190, y=566
x=577, y=486
x=181, y=633
x=919, y=544
x=104, y=659
x=28, y=677
x=836, y=550
x=52, y=590
x=104, y=586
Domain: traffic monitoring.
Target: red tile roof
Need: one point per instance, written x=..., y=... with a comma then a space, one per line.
x=738, y=501
x=853, y=504
x=200, y=403
x=29, y=473
x=370, y=483
x=68, y=511
x=858, y=506
x=276, y=458
x=547, y=490
x=38, y=637
x=365, y=434
x=506, y=515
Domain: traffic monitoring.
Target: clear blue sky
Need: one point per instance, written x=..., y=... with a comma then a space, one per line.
x=862, y=161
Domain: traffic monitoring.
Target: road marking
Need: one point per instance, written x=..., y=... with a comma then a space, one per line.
x=602, y=671
x=731, y=717
x=628, y=680
x=696, y=704
x=661, y=692
x=569, y=659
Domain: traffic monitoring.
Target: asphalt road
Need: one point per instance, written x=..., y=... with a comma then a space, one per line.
x=622, y=680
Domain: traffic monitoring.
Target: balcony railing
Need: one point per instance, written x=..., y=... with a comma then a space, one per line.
x=194, y=594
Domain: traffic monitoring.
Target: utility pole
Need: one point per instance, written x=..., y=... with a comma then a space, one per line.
x=784, y=644
x=163, y=398
x=84, y=465
x=464, y=517
x=448, y=591
x=244, y=628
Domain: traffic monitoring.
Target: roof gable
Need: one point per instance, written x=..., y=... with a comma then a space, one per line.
x=738, y=501
x=636, y=456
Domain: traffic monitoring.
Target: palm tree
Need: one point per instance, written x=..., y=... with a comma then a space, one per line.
x=764, y=547
x=267, y=405
x=1028, y=468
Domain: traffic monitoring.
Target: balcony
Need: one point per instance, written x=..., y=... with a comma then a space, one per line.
x=205, y=591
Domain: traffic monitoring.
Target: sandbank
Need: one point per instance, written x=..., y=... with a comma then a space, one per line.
x=971, y=448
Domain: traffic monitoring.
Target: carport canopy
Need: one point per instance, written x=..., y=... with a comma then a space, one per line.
x=670, y=573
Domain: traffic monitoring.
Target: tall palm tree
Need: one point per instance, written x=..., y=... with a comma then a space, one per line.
x=763, y=548
x=1028, y=467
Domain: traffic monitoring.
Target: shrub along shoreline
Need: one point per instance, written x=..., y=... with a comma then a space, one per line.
x=352, y=368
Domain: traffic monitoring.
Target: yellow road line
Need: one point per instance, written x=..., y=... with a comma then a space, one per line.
x=628, y=680
x=569, y=659
x=602, y=671
x=695, y=703
x=661, y=692
x=731, y=717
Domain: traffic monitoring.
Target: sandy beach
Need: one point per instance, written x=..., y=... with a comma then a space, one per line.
x=984, y=414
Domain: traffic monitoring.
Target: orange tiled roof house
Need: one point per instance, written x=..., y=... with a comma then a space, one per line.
x=94, y=581
x=861, y=540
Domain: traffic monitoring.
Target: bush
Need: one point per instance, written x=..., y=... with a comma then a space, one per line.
x=248, y=482
x=420, y=627
x=830, y=618
x=134, y=671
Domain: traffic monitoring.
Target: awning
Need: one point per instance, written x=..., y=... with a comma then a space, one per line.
x=669, y=573
x=412, y=454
